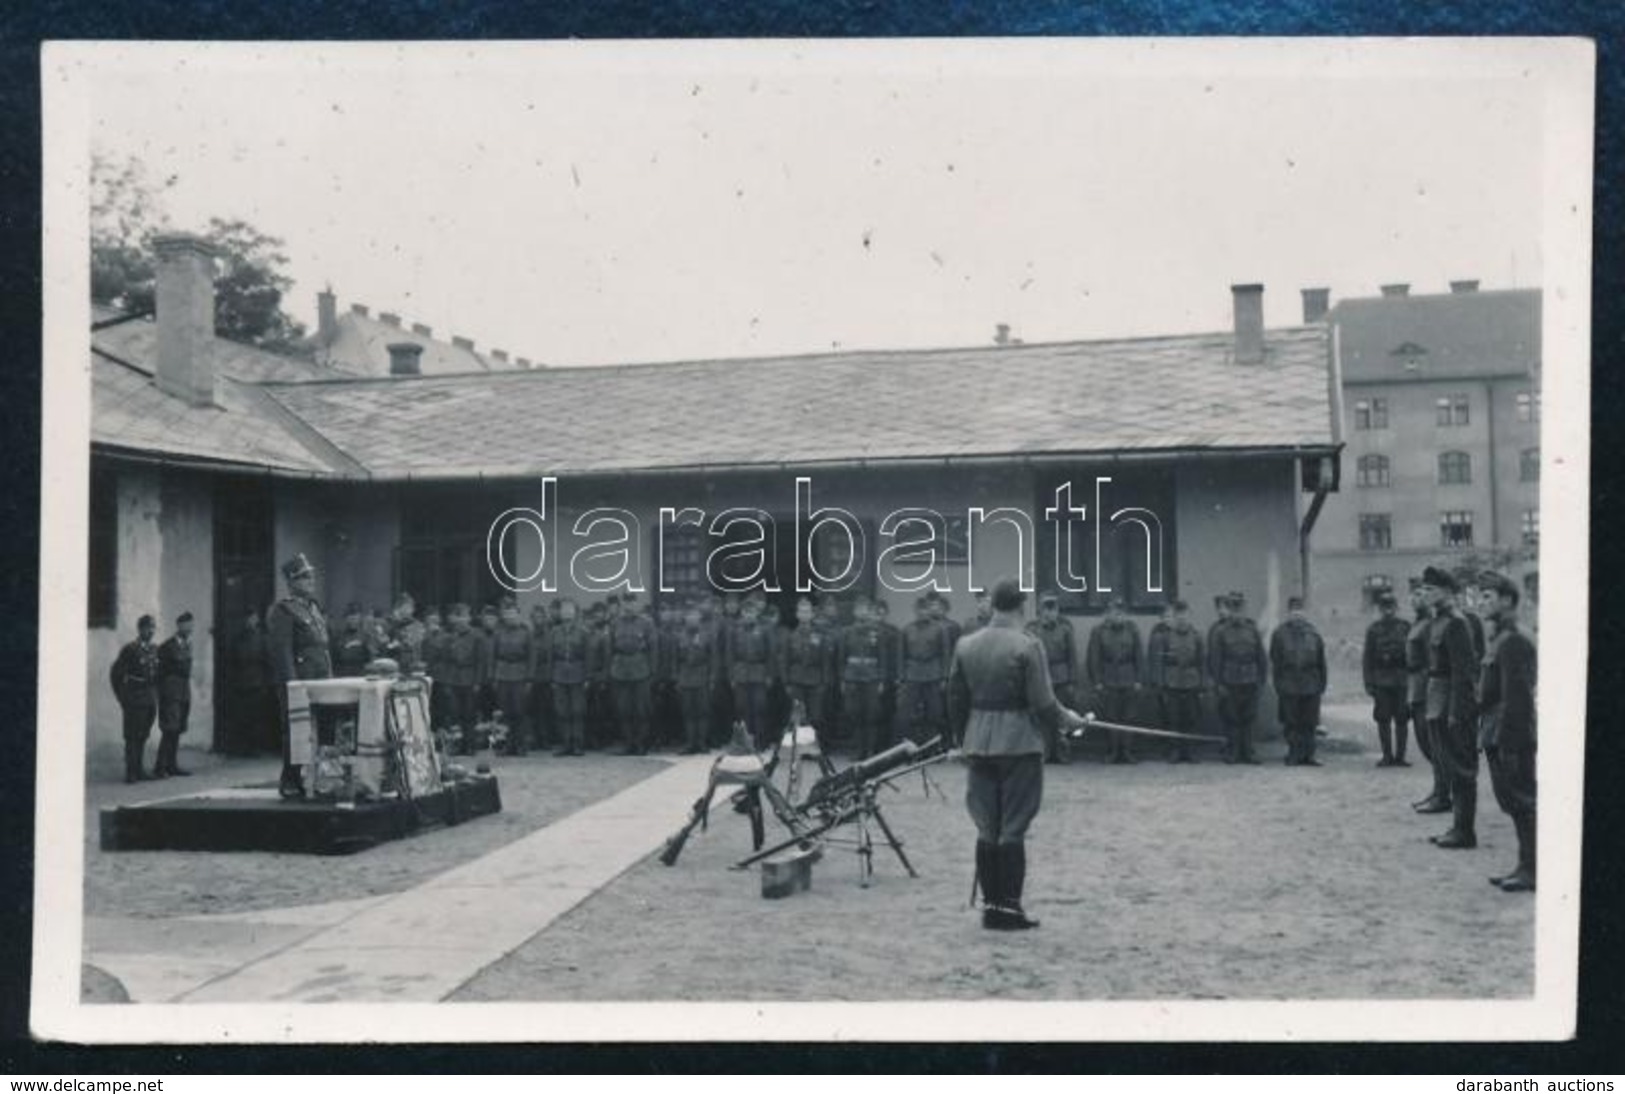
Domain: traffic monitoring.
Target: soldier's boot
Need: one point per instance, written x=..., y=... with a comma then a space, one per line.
x=1522, y=880
x=1438, y=800
x=987, y=874
x=292, y=783
x=1464, y=810
x=1247, y=755
x=1401, y=738
x=1385, y=738
x=1012, y=870
x=132, y=761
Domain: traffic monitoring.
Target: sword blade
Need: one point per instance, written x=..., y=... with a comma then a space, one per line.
x=1146, y=731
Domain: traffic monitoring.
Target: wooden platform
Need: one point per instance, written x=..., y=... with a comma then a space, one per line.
x=257, y=819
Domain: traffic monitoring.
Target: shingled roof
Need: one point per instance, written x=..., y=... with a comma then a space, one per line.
x=1447, y=335
x=1172, y=394
x=361, y=344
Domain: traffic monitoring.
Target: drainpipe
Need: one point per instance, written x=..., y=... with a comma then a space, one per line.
x=1489, y=423
x=1323, y=481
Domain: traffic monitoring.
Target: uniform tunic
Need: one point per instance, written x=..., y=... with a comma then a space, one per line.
x=1298, y=661
x=174, y=685
x=569, y=646
x=807, y=665
x=1174, y=666
x=925, y=646
x=134, y=677
x=1238, y=666
x=634, y=646
x=1506, y=717
x=861, y=659
x=1383, y=662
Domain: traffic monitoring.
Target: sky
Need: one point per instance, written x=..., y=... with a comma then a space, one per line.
x=587, y=203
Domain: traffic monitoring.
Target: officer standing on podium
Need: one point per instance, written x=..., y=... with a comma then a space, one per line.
x=299, y=650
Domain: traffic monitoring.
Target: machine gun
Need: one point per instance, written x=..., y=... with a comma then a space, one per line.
x=752, y=772
x=850, y=796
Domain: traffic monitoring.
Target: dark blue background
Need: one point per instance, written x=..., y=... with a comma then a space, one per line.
x=1599, y=1046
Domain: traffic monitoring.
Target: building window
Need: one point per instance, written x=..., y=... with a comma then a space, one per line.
x=1372, y=471
x=1456, y=528
x=682, y=563
x=103, y=587
x=1376, y=532
x=1530, y=525
x=1371, y=414
x=1528, y=403
x=1372, y=585
x=1452, y=410
x=1529, y=465
x=1455, y=468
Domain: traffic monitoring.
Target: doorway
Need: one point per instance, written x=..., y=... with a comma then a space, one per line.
x=244, y=578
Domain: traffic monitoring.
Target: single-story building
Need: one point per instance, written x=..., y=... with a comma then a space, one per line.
x=1207, y=456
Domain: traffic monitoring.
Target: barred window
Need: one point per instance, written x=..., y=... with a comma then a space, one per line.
x=1456, y=528
x=1530, y=526
x=1528, y=404
x=1452, y=409
x=1455, y=468
x=1529, y=465
x=682, y=561
x=1372, y=471
x=1376, y=532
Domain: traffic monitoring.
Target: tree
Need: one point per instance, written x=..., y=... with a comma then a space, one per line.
x=126, y=211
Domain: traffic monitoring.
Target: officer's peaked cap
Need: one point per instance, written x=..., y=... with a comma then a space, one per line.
x=297, y=566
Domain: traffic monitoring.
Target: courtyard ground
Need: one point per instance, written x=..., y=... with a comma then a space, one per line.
x=1152, y=881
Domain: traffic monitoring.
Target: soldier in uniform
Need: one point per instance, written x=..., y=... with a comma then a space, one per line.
x=353, y=644
x=485, y=625
x=807, y=656
x=1174, y=667
x=299, y=651
x=568, y=652
x=403, y=640
x=827, y=621
x=433, y=651
x=922, y=674
x=1451, y=707
x=891, y=656
x=1468, y=597
x=1416, y=675
x=860, y=661
x=694, y=656
x=1115, y=667
x=466, y=666
x=513, y=655
x=134, y=677
x=1298, y=661
x=984, y=613
x=669, y=727
x=1506, y=721
x=600, y=715
x=249, y=680
x=1237, y=665
x=633, y=648
x=940, y=611
x=174, y=696
x=750, y=658
x=541, y=678
x=1061, y=647
x=1001, y=696
x=1383, y=668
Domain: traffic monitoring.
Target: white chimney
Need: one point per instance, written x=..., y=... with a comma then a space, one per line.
x=1249, y=308
x=185, y=305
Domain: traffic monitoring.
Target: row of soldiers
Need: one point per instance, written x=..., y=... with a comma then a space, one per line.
x=614, y=672
x=1466, y=689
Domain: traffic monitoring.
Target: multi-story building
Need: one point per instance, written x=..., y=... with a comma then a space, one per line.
x=1441, y=416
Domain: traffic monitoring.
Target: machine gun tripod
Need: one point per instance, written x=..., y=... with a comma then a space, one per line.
x=851, y=796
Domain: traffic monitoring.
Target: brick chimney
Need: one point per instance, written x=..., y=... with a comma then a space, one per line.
x=423, y=329
x=1316, y=303
x=462, y=343
x=1459, y=287
x=500, y=355
x=1249, y=308
x=1398, y=288
x=405, y=359
x=185, y=305
x=359, y=309
x=389, y=318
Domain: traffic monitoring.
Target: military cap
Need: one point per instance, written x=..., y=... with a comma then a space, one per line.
x=1048, y=599
x=613, y=598
x=459, y=608
x=146, y=621
x=297, y=566
x=1416, y=584
x=1439, y=579
x=1008, y=595
x=1236, y=598
x=1499, y=584
x=1293, y=603
x=923, y=602
x=1386, y=599
x=1180, y=606
x=184, y=617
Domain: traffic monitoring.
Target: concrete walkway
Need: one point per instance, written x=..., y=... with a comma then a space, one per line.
x=420, y=945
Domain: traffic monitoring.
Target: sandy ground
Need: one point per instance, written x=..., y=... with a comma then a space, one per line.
x=1152, y=881
x=536, y=790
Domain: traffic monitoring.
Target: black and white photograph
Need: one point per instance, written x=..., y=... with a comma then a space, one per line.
x=801, y=540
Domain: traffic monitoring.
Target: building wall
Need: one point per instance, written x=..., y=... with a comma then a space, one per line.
x=165, y=567
x=1494, y=439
